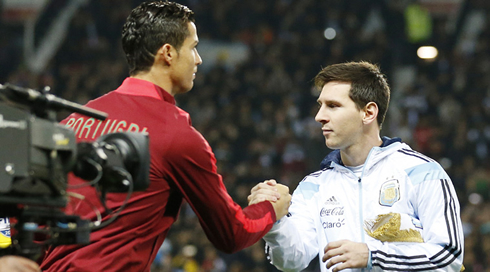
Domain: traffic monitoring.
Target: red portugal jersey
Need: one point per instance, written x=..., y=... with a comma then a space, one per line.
x=182, y=166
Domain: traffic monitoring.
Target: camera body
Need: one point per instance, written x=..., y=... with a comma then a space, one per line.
x=36, y=156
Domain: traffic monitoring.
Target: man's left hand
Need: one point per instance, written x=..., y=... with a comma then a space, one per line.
x=346, y=254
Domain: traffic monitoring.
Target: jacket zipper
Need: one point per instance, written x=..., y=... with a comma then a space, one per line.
x=360, y=209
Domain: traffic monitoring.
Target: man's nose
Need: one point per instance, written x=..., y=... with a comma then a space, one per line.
x=320, y=116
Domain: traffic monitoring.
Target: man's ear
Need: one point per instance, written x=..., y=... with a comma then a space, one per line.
x=166, y=53
x=370, y=113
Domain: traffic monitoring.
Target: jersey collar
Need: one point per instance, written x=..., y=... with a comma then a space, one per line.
x=140, y=87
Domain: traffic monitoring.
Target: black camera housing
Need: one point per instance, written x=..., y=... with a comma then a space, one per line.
x=36, y=156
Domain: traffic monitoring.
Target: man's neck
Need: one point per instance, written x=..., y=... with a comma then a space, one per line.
x=157, y=77
x=356, y=154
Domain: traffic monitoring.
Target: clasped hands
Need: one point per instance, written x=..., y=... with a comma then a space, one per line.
x=277, y=194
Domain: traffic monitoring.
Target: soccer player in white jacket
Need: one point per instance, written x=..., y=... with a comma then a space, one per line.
x=376, y=204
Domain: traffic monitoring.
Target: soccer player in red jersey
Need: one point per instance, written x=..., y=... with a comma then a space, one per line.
x=160, y=39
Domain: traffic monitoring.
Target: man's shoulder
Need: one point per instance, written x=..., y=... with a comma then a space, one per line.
x=315, y=177
x=418, y=167
x=309, y=186
x=407, y=158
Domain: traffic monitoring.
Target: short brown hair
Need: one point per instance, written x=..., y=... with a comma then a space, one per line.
x=368, y=84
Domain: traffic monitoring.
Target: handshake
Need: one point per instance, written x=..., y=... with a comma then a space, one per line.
x=277, y=194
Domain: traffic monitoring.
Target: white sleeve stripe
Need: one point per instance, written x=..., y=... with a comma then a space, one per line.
x=449, y=253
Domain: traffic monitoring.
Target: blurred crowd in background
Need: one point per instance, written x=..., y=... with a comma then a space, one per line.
x=254, y=100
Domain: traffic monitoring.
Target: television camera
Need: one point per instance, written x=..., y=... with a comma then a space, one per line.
x=36, y=156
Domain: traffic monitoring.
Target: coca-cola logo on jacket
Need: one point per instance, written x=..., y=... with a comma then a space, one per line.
x=332, y=211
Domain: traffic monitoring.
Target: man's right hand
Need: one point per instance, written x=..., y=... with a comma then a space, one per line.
x=277, y=194
x=281, y=206
x=264, y=191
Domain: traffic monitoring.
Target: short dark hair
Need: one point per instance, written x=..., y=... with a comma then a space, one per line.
x=149, y=27
x=368, y=84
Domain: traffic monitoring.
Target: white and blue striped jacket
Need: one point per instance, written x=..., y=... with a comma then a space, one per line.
x=332, y=204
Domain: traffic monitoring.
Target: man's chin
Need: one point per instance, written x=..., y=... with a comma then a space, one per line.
x=331, y=144
x=185, y=89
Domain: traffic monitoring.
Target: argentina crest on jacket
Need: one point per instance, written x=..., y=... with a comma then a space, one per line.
x=389, y=193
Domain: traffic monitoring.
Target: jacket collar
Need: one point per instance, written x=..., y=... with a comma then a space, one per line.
x=334, y=156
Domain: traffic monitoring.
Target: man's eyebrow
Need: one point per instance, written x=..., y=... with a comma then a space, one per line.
x=329, y=101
